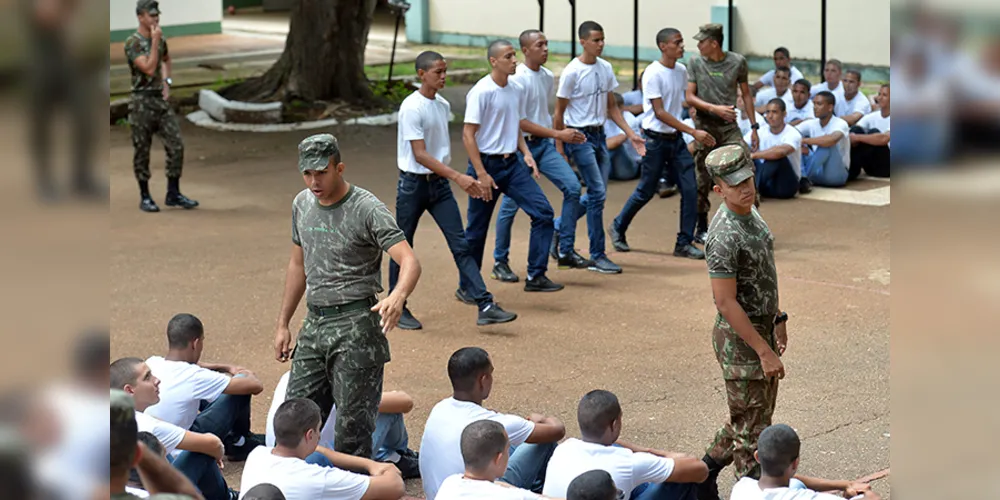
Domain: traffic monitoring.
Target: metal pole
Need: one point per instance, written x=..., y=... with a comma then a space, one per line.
x=541, y=15
x=635, y=45
x=732, y=29
x=392, y=56
x=572, y=28
x=822, y=42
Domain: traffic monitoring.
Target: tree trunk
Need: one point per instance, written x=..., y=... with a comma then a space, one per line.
x=324, y=57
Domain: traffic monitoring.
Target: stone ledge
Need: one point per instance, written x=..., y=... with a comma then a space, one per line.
x=226, y=111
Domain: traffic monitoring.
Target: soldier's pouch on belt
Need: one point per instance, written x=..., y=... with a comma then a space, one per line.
x=738, y=360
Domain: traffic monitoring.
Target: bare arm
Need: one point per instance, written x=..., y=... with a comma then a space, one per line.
x=724, y=290
x=385, y=482
x=748, y=102
x=204, y=443
x=688, y=470
x=823, y=141
x=409, y=269
x=472, y=149
x=158, y=476
x=395, y=402
x=853, y=118
x=616, y=141
x=615, y=113
x=385, y=487
x=547, y=430
x=635, y=109
x=669, y=119
x=433, y=164
x=691, y=96
x=295, y=286
x=246, y=384
x=872, y=139
x=557, y=121
x=776, y=153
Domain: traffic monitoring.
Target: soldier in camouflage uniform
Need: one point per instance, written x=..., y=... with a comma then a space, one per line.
x=339, y=232
x=713, y=78
x=749, y=333
x=149, y=111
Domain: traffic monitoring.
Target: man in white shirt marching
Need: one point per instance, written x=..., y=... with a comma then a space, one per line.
x=533, y=439
x=832, y=74
x=779, y=158
x=853, y=104
x=826, y=152
x=781, y=89
x=782, y=59
x=492, y=137
x=802, y=106
x=585, y=101
x=667, y=154
x=422, y=156
x=640, y=473
x=870, y=140
x=536, y=85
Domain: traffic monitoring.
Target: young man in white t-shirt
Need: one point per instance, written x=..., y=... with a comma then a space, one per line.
x=485, y=452
x=297, y=433
x=782, y=59
x=624, y=159
x=535, y=83
x=422, y=156
x=197, y=455
x=826, y=145
x=667, y=154
x=832, y=74
x=533, y=439
x=801, y=108
x=779, y=159
x=585, y=102
x=390, y=441
x=492, y=136
x=641, y=473
x=853, y=104
x=870, y=140
x=778, y=453
x=204, y=397
x=781, y=90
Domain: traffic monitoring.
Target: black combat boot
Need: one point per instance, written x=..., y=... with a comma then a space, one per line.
x=709, y=489
x=174, y=196
x=701, y=232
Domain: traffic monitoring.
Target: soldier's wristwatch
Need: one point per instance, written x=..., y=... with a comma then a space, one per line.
x=755, y=126
x=168, y=81
x=780, y=318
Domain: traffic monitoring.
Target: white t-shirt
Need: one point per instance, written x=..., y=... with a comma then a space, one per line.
x=768, y=78
x=587, y=87
x=688, y=138
x=612, y=129
x=183, y=386
x=669, y=84
x=749, y=489
x=440, y=447
x=766, y=94
x=497, y=111
x=170, y=435
x=427, y=119
x=860, y=104
x=875, y=120
x=838, y=91
x=627, y=468
x=744, y=122
x=793, y=113
x=790, y=136
x=299, y=480
x=326, y=435
x=535, y=87
x=137, y=492
x=813, y=128
x=457, y=487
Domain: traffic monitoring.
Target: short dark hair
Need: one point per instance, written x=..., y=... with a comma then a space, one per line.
x=783, y=51
x=780, y=102
x=92, y=353
x=777, y=447
x=154, y=445
x=427, y=59
x=828, y=97
x=481, y=442
x=264, y=491
x=855, y=73
x=663, y=36
x=465, y=366
x=587, y=27
x=885, y=85
x=782, y=69
x=836, y=62
x=495, y=47
x=802, y=81
x=293, y=418
x=183, y=329
x=525, y=38
x=123, y=372
x=597, y=411
x=596, y=484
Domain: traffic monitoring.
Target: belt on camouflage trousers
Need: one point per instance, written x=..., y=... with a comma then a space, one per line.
x=326, y=311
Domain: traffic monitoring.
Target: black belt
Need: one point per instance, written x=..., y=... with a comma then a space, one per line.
x=593, y=129
x=324, y=311
x=533, y=138
x=426, y=177
x=498, y=156
x=660, y=135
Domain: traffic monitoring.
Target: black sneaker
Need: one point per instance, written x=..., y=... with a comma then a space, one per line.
x=554, y=247
x=408, y=464
x=805, y=185
x=146, y=204
x=502, y=272
x=689, y=251
x=493, y=315
x=541, y=284
x=464, y=297
x=573, y=261
x=617, y=239
x=407, y=321
x=701, y=237
x=604, y=265
x=666, y=190
x=239, y=453
x=233, y=494
x=179, y=200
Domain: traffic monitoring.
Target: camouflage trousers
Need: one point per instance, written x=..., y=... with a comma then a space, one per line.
x=723, y=134
x=150, y=115
x=339, y=359
x=751, y=397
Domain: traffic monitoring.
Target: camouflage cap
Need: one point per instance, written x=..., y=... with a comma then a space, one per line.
x=315, y=152
x=731, y=163
x=713, y=30
x=122, y=406
x=151, y=6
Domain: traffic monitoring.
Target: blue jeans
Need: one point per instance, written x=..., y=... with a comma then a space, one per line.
x=825, y=167
x=390, y=436
x=665, y=491
x=593, y=161
x=624, y=166
x=554, y=167
x=203, y=472
x=776, y=178
x=227, y=416
x=514, y=179
x=665, y=158
x=527, y=464
x=418, y=193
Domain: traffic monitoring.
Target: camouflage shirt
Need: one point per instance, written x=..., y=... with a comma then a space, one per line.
x=342, y=245
x=717, y=81
x=138, y=45
x=742, y=247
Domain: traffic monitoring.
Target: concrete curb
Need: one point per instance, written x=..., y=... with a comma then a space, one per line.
x=203, y=119
x=224, y=110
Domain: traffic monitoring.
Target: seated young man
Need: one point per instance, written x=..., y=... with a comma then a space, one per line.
x=779, y=157
x=264, y=491
x=390, y=442
x=826, y=145
x=782, y=59
x=802, y=106
x=870, y=140
x=197, y=455
x=203, y=397
x=595, y=484
x=832, y=75
x=532, y=440
x=624, y=158
x=743, y=117
x=485, y=451
x=641, y=473
x=632, y=100
x=853, y=104
x=296, y=433
x=778, y=453
x=781, y=90
x=153, y=445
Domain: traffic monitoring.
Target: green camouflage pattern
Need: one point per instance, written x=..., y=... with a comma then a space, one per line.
x=342, y=245
x=315, y=152
x=150, y=115
x=724, y=134
x=742, y=247
x=122, y=407
x=717, y=81
x=708, y=30
x=340, y=359
x=736, y=358
x=730, y=162
x=751, y=407
x=137, y=45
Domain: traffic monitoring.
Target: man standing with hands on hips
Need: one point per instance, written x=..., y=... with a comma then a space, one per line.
x=750, y=330
x=339, y=232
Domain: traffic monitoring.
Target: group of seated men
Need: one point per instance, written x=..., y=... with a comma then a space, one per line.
x=183, y=418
